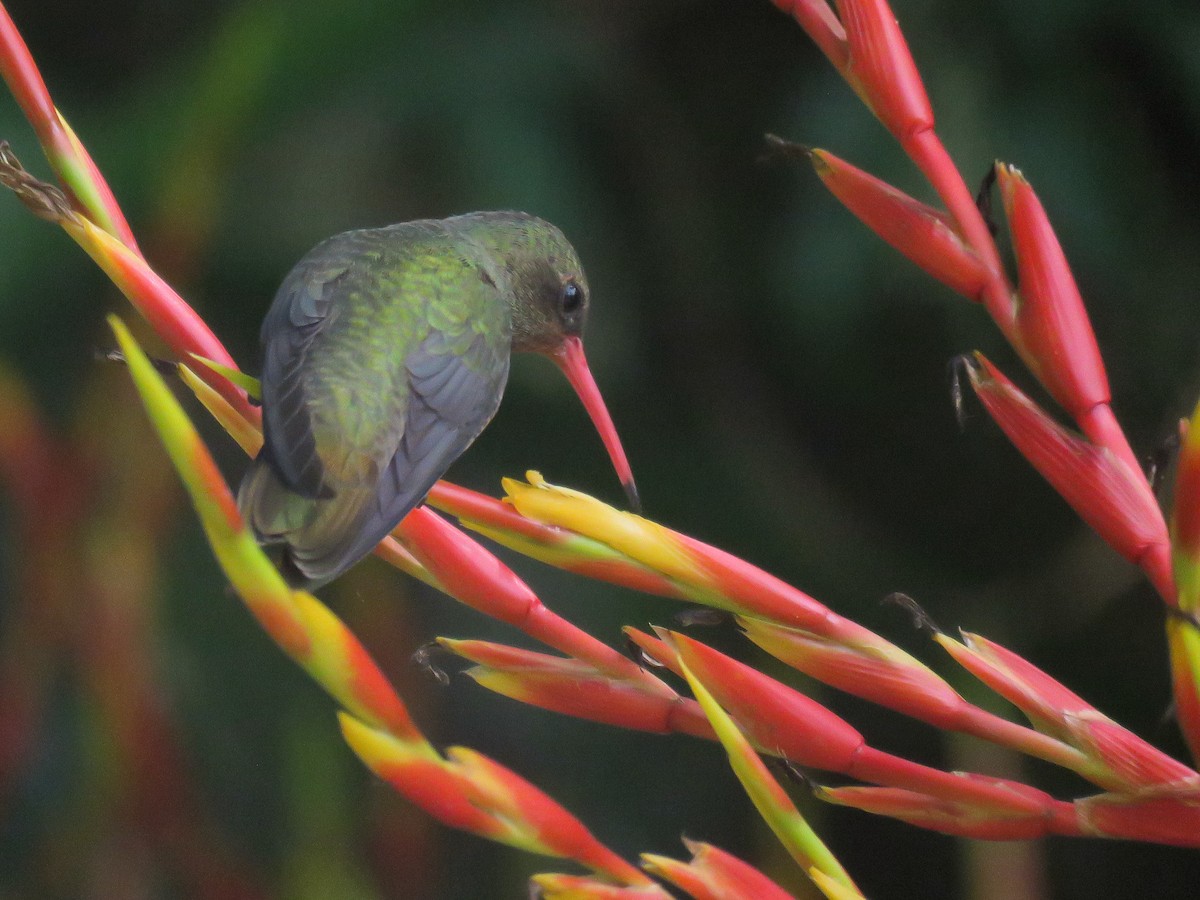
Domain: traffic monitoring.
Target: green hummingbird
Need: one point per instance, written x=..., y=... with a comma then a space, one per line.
x=385, y=354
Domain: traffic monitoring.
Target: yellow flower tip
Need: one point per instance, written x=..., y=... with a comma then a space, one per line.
x=469, y=760
x=378, y=749
x=946, y=641
x=248, y=383
x=640, y=539
x=665, y=635
x=657, y=865
x=361, y=738
x=118, y=328
x=372, y=746
x=832, y=888
x=968, y=639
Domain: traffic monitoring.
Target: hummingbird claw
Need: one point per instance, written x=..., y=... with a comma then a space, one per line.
x=424, y=659
x=956, y=368
x=1160, y=459
x=162, y=366
x=793, y=772
x=640, y=656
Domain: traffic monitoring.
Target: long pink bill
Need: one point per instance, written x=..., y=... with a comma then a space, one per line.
x=570, y=358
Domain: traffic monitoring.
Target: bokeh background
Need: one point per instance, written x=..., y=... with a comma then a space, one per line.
x=778, y=375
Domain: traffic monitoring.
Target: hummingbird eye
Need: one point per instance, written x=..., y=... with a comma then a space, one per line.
x=572, y=298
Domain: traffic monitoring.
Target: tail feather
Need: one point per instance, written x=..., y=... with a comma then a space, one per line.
x=315, y=540
x=269, y=508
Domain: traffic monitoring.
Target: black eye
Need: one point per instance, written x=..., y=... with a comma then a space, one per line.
x=572, y=297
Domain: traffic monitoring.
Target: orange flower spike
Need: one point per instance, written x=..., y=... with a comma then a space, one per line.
x=577, y=689
x=169, y=314
x=925, y=235
x=1115, y=500
x=881, y=69
x=714, y=874
x=788, y=724
x=866, y=666
x=1138, y=763
x=414, y=770
x=774, y=717
x=25, y=81
x=537, y=822
x=66, y=154
x=1042, y=699
x=468, y=791
x=556, y=886
x=881, y=672
x=1054, y=334
x=175, y=322
x=768, y=797
x=937, y=814
x=649, y=543
x=248, y=434
x=552, y=545
x=480, y=509
x=1167, y=817
x=305, y=629
x=697, y=571
x=749, y=590
x=472, y=575
x=1120, y=759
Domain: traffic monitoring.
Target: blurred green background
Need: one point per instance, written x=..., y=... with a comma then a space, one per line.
x=779, y=378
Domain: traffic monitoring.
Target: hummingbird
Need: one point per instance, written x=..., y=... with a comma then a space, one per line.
x=385, y=354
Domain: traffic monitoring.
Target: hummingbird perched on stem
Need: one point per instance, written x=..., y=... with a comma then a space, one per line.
x=386, y=352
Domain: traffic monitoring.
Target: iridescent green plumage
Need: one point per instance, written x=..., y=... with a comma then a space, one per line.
x=385, y=355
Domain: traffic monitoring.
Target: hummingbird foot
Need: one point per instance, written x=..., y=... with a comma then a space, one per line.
x=162, y=366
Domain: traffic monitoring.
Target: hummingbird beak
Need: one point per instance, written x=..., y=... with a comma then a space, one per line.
x=569, y=357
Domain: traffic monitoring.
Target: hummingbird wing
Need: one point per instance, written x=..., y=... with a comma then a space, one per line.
x=454, y=392
x=382, y=363
x=300, y=312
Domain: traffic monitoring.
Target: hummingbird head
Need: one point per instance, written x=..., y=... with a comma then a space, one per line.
x=548, y=304
x=548, y=291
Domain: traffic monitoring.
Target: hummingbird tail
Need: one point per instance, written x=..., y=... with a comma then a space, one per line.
x=310, y=540
x=268, y=507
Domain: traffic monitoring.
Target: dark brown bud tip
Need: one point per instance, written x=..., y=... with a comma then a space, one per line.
x=921, y=619
x=780, y=149
x=43, y=200
x=632, y=495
